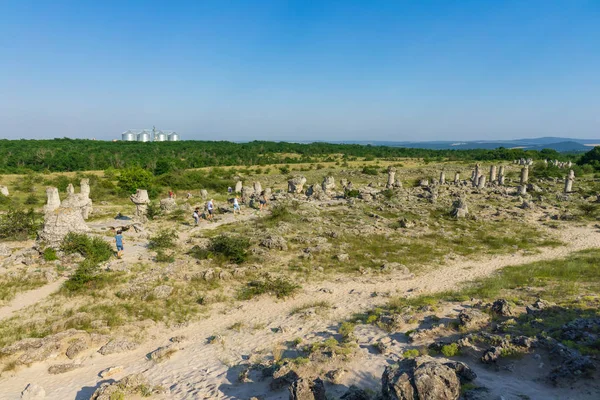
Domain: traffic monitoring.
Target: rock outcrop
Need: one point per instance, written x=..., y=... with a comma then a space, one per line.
x=60, y=219
x=296, y=184
x=420, y=378
x=141, y=201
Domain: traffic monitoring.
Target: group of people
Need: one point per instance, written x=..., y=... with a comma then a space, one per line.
x=210, y=208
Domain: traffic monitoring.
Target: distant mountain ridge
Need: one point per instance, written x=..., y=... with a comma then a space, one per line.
x=553, y=143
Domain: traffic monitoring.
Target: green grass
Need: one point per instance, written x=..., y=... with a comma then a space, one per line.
x=11, y=285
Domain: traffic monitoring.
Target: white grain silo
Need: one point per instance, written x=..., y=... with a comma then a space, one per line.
x=173, y=137
x=129, y=136
x=160, y=136
x=143, y=137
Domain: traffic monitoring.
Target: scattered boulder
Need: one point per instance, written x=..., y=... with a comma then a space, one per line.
x=420, y=378
x=162, y=353
x=283, y=377
x=274, y=242
x=460, y=208
x=355, y=393
x=463, y=371
x=472, y=318
x=168, y=205
x=296, y=184
x=62, y=219
x=62, y=368
x=33, y=392
x=76, y=347
x=538, y=306
x=302, y=389
x=131, y=384
x=162, y=291
x=117, y=346
x=502, y=308
x=4, y=191
x=110, y=371
x=491, y=355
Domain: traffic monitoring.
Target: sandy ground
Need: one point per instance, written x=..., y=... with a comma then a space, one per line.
x=208, y=371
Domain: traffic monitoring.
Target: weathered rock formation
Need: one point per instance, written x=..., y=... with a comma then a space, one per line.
x=501, y=175
x=391, y=177
x=328, y=184
x=168, y=205
x=493, y=174
x=257, y=188
x=60, y=219
x=460, y=208
x=296, y=184
x=569, y=181
x=141, y=201
x=442, y=178
x=204, y=194
x=80, y=200
x=524, y=175
x=457, y=178
x=420, y=378
x=4, y=190
x=238, y=187
x=481, y=183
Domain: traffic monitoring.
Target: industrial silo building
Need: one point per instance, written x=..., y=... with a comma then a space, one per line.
x=129, y=136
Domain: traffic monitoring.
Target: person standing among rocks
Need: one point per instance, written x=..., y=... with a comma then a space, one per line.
x=196, y=215
x=210, y=207
x=236, y=206
x=119, y=243
x=262, y=202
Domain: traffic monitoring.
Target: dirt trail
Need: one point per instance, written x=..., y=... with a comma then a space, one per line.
x=30, y=297
x=204, y=371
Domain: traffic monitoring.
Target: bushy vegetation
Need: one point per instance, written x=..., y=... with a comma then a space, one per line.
x=50, y=254
x=277, y=287
x=19, y=224
x=87, y=275
x=229, y=248
x=164, y=239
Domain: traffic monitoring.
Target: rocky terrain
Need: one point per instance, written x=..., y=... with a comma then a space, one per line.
x=414, y=281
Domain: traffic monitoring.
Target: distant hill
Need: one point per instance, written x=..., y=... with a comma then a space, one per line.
x=553, y=143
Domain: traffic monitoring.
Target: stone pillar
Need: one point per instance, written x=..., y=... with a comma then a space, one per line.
x=442, y=178
x=481, y=183
x=522, y=190
x=328, y=184
x=4, y=190
x=569, y=182
x=238, y=187
x=492, y=174
x=84, y=187
x=457, y=178
x=501, y=175
x=141, y=201
x=53, y=201
x=257, y=188
x=476, y=175
x=524, y=175
x=70, y=189
x=204, y=194
x=391, y=177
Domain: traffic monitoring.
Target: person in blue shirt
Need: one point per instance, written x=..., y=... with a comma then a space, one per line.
x=119, y=243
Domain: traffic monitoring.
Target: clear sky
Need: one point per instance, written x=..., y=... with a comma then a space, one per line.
x=301, y=70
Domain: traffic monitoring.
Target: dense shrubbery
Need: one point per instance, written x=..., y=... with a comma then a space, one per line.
x=88, y=275
x=234, y=249
x=19, y=224
x=92, y=248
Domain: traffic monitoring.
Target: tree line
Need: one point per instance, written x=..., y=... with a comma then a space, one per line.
x=64, y=155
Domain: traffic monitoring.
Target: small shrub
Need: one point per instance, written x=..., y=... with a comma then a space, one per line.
x=412, y=353
x=278, y=287
x=18, y=224
x=354, y=193
x=94, y=249
x=370, y=171
x=31, y=199
x=50, y=254
x=284, y=170
x=164, y=239
x=232, y=248
x=450, y=350
x=153, y=210
x=346, y=330
x=162, y=256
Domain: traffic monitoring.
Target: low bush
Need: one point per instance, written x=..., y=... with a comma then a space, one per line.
x=450, y=350
x=370, y=171
x=19, y=224
x=94, y=249
x=233, y=248
x=278, y=287
x=164, y=239
x=354, y=193
x=50, y=254
x=162, y=256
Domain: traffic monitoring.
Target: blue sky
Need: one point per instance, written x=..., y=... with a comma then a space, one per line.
x=301, y=70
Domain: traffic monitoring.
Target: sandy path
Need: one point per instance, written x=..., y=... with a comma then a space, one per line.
x=203, y=371
x=31, y=297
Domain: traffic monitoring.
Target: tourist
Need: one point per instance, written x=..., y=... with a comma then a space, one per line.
x=170, y=194
x=262, y=202
x=236, y=206
x=119, y=243
x=196, y=215
x=229, y=189
x=210, y=208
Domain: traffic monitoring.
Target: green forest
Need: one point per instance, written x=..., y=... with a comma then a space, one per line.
x=64, y=155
